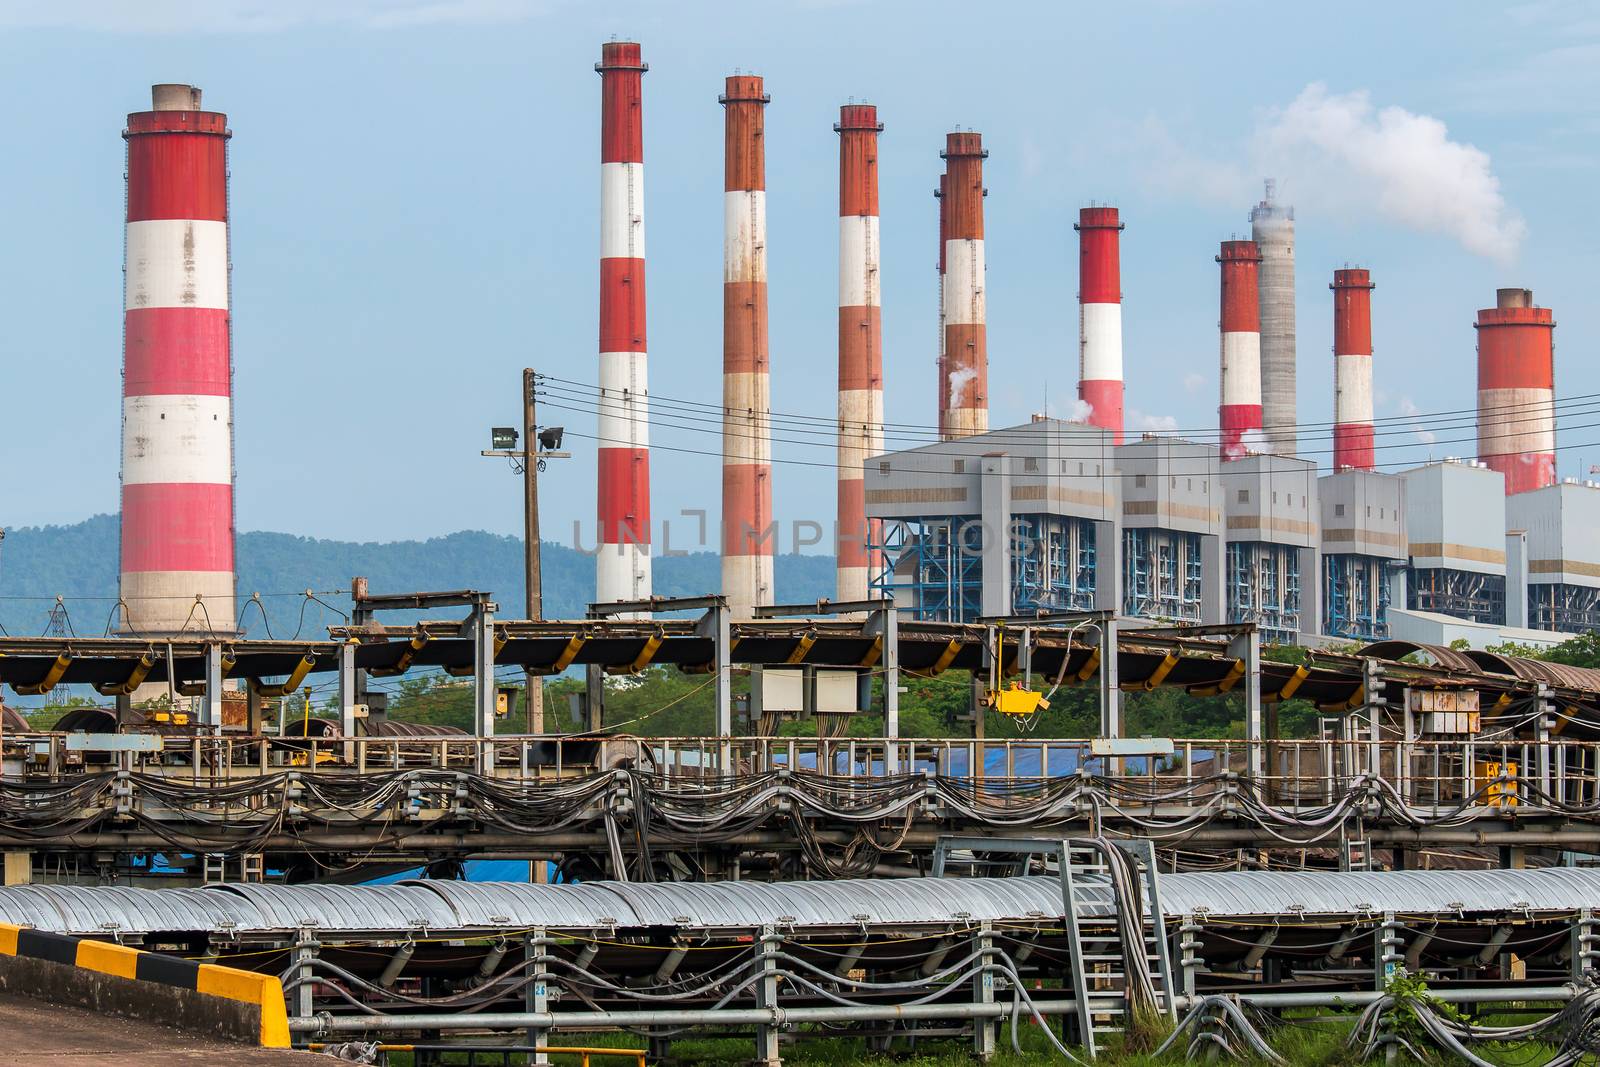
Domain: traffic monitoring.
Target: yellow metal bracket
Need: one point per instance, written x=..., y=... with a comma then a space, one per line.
x=1157, y=676
x=1090, y=665
x=873, y=654
x=642, y=660
x=467, y=670
x=1227, y=683
x=403, y=664
x=290, y=684
x=141, y=671
x=801, y=647
x=1290, y=687
x=947, y=657
x=1358, y=698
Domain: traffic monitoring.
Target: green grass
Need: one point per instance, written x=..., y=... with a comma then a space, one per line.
x=1317, y=1041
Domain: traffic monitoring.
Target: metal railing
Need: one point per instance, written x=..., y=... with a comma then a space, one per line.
x=1435, y=775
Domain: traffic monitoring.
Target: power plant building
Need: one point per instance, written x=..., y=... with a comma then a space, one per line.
x=1561, y=554
x=1020, y=519
x=1363, y=548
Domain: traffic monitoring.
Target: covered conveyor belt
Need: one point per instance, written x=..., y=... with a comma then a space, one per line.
x=449, y=908
x=1203, y=663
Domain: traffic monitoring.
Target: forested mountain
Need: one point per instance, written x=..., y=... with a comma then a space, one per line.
x=79, y=562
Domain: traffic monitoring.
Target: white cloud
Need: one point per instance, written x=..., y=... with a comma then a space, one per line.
x=1193, y=382
x=1339, y=155
x=257, y=16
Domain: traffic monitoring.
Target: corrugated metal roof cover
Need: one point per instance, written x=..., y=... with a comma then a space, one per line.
x=1245, y=893
x=342, y=907
x=524, y=904
x=443, y=905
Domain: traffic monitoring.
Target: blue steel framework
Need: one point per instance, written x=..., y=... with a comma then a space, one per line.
x=1263, y=587
x=1572, y=609
x=933, y=567
x=1161, y=572
x=1355, y=596
x=1463, y=594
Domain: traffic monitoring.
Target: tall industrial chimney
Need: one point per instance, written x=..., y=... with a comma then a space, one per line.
x=1100, y=316
x=1240, y=413
x=944, y=233
x=1352, y=370
x=622, y=565
x=860, y=339
x=1516, y=390
x=177, y=570
x=747, y=530
x=1272, y=229
x=966, y=349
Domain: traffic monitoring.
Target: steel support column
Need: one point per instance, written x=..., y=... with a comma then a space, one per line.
x=768, y=1053
x=983, y=1030
x=1247, y=646
x=211, y=710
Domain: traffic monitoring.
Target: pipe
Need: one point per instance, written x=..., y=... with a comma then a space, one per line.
x=1352, y=370
x=622, y=564
x=748, y=532
x=1100, y=317
x=966, y=345
x=1362, y=997
x=1516, y=390
x=943, y=202
x=177, y=552
x=860, y=342
x=345, y=1024
x=396, y=964
x=1240, y=411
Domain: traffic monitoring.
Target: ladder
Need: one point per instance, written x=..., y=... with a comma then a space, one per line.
x=1098, y=957
x=1101, y=958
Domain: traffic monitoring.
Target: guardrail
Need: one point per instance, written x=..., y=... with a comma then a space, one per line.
x=1434, y=774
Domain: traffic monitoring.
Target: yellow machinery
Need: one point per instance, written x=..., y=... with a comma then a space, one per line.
x=1010, y=699
x=1500, y=780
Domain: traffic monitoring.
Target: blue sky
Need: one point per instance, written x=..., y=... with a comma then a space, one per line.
x=415, y=197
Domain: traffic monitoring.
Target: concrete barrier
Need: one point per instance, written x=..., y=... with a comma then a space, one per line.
x=116, y=980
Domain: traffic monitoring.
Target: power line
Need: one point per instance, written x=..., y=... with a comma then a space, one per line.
x=1420, y=418
x=1067, y=436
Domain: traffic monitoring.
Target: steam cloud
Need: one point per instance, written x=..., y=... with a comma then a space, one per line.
x=1340, y=147
x=959, y=379
x=1340, y=155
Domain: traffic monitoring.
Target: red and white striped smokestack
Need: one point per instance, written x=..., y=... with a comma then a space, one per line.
x=1100, y=316
x=1240, y=412
x=177, y=569
x=966, y=347
x=622, y=565
x=860, y=339
x=1352, y=370
x=1516, y=390
x=747, y=530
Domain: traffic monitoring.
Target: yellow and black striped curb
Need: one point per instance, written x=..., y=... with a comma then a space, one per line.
x=263, y=991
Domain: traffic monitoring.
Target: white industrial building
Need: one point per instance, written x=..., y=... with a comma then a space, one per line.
x=1052, y=516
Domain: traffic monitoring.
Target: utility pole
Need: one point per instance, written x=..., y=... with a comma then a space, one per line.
x=531, y=451
x=530, y=518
